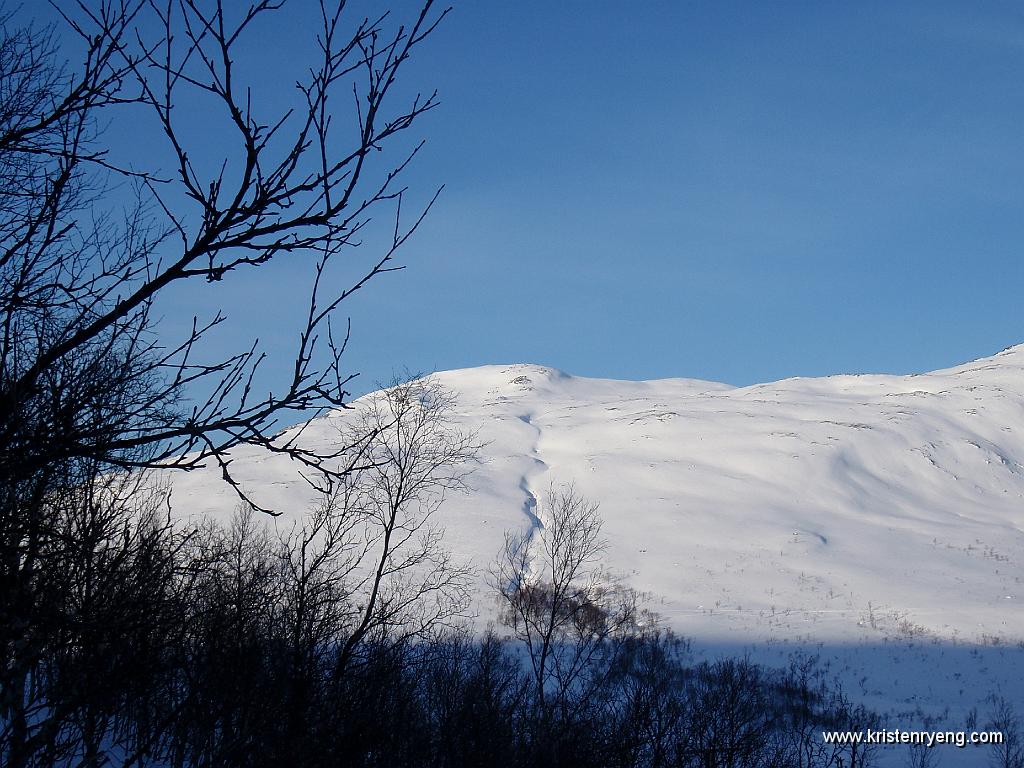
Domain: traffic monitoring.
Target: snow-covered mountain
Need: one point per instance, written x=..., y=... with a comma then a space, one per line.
x=877, y=520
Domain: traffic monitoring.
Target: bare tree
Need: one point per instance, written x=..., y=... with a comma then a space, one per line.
x=105, y=610
x=729, y=719
x=367, y=569
x=407, y=584
x=78, y=287
x=920, y=755
x=1009, y=753
x=842, y=714
x=559, y=603
x=646, y=702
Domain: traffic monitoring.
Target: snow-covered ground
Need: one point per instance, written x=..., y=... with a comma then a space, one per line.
x=875, y=520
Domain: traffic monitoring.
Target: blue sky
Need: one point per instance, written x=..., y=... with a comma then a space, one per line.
x=732, y=191
x=735, y=191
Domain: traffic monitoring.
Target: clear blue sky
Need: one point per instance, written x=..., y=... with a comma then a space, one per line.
x=736, y=191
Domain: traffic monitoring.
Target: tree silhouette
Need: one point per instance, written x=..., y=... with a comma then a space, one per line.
x=88, y=387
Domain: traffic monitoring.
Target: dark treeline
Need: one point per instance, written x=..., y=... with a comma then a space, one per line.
x=136, y=637
x=204, y=647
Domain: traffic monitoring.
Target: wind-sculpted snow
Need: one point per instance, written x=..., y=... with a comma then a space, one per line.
x=870, y=513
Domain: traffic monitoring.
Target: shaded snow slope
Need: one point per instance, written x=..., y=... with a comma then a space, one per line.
x=846, y=510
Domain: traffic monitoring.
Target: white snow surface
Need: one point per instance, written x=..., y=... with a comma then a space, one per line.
x=876, y=520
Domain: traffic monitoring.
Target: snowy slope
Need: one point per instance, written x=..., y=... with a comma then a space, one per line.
x=876, y=519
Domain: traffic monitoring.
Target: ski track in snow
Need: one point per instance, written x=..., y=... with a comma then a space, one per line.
x=531, y=504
